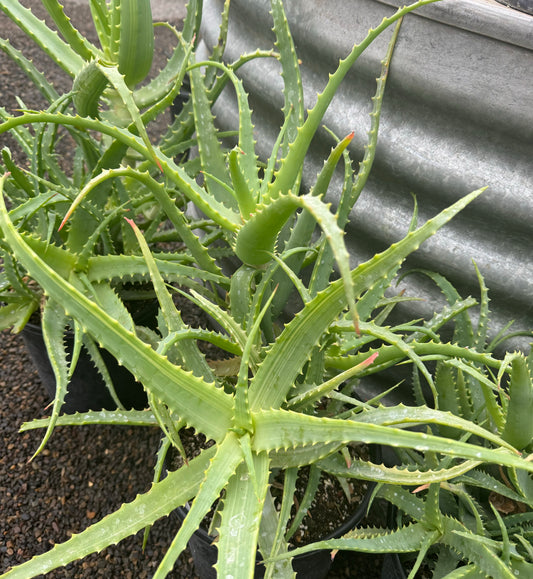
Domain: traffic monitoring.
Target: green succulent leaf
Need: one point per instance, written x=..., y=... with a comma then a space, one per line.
x=293, y=161
x=223, y=466
x=48, y=40
x=117, y=417
x=293, y=108
x=31, y=71
x=518, y=429
x=404, y=540
x=225, y=217
x=136, y=40
x=88, y=87
x=190, y=355
x=241, y=516
x=16, y=314
x=175, y=490
x=74, y=39
x=54, y=324
x=282, y=429
x=209, y=147
x=394, y=475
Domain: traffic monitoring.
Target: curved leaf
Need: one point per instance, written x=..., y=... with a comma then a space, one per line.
x=286, y=429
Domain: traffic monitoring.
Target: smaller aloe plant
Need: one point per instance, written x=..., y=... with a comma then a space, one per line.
x=288, y=402
x=108, y=114
x=105, y=82
x=478, y=523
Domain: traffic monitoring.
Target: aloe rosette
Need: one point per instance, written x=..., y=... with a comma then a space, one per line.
x=256, y=433
x=269, y=413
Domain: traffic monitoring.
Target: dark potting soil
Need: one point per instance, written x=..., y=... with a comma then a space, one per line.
x=85, y=472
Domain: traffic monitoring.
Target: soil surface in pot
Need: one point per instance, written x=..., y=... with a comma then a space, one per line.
x=330, y=509
x=328, y=512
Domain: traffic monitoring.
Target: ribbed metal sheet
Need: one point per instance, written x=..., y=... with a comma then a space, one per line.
x=458, y=115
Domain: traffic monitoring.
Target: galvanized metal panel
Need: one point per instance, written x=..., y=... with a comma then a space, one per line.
x=458, y=115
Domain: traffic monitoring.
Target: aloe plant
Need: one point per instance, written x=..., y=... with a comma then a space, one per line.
x=478, y=523
x=105, y=83
x=106, y=179
x=289, y=401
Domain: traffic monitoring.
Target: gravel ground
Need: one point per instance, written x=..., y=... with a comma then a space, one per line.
x=84, y=473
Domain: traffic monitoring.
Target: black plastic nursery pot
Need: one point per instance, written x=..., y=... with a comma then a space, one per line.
x=392, y=567
x=87, y=389
x=312, y=565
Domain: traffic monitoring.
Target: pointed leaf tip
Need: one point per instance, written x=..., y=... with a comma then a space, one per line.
x=131, y=222
x=65, y=219
x=420, y=488
x=369, y=360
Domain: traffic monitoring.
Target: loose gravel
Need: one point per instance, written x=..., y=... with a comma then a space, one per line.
x=83, y=474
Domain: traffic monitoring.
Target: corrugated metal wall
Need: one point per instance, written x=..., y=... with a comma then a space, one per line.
x=458, y=115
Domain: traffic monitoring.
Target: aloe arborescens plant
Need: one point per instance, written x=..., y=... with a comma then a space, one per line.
x=106, y=91
x=288, y=402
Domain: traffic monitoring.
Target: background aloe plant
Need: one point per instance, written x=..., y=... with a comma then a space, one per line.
x=288, y=402
x=104, y=85
x=106, y=91
x=478, y=523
